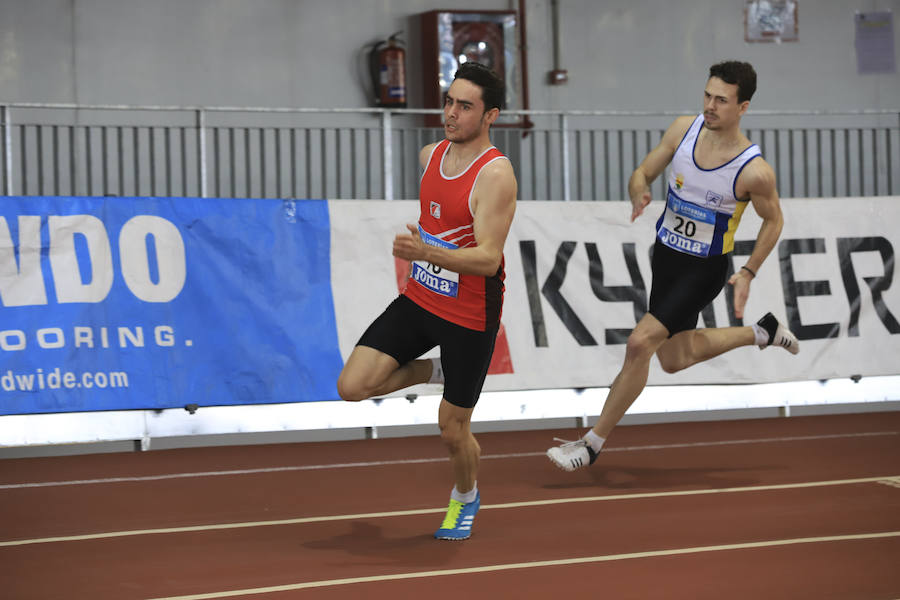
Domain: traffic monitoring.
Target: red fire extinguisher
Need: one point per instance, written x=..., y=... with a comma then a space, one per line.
x=387, y=63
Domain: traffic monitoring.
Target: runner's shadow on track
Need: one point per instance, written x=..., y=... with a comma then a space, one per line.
x=367, y=540
x=630, y=478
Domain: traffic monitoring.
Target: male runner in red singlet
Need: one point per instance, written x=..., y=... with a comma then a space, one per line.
x=715, y=173
x=455, y=292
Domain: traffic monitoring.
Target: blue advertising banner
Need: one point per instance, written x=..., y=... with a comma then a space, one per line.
x=151, y=303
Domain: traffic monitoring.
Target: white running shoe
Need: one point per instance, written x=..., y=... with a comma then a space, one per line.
x=572, y=455
x=779, y=335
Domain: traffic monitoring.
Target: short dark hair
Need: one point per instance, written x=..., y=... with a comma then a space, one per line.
x=493, y=90
x=736, y=72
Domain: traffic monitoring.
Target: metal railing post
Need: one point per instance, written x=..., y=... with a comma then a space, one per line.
x=564, y=137
x=387, y=155
x=201, y=146
x=7, y=151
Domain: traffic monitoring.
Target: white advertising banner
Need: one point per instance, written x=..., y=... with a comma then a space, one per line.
x=578, y=278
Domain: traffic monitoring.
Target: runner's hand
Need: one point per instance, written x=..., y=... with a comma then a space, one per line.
x=741, y=284
x=638, y=204
x=409, y=246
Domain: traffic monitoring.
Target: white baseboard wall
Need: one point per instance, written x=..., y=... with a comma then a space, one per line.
x=69, y=433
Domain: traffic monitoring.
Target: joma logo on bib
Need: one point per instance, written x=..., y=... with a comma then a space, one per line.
x=437, y=280
x=678, y=242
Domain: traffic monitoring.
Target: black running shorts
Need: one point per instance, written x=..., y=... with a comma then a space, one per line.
x=406, y=331
x=683, y=285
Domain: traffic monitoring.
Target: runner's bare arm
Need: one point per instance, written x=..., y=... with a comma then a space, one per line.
x=494, y=205
x=758, y=181
x=655, y=163
x=425, y=154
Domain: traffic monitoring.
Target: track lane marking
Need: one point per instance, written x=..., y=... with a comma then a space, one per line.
x=425, y=511
x=532, y=565
x=412, y=461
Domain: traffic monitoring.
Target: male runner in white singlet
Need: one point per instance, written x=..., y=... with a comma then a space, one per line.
x=454, y=297
x=715, y=173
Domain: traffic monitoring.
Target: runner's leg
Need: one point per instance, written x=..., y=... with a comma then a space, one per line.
x=688, y=348
x=370, y=373
x=648, y=335
x=462, y=446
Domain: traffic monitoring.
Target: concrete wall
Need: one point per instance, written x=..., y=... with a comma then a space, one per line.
x=620, y=54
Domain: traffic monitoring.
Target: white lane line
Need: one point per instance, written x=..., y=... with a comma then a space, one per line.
x=534, y=564
x=412, y=461
x=424, y=511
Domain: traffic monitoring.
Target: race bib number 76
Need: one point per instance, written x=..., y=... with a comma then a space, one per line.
x=432, y=277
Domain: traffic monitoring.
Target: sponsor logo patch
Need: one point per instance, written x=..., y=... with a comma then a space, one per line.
x=713, y=199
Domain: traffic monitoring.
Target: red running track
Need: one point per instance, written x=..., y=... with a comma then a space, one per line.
x=801, y=507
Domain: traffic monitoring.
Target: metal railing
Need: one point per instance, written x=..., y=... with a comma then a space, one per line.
x=76, y=150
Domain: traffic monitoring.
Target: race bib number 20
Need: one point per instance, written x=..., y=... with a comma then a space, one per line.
x=687, y=227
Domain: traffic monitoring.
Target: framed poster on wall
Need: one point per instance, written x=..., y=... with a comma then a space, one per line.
x=770, y=21
x=451, y=37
